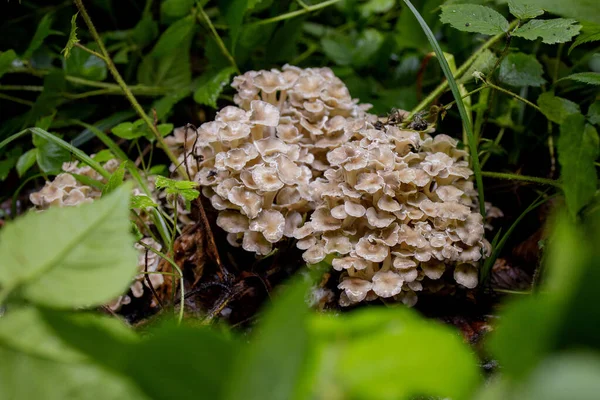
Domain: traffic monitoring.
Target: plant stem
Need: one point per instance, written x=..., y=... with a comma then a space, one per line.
x=524, y=178
x=117, y=76
x=226, y=53
x=479, y=89
x=516, y=96
x=294, y=14
x=25, y=88
x=459, y=72
x=16, y=100
x=175, y=266
x=141, y=90
x=92, y=52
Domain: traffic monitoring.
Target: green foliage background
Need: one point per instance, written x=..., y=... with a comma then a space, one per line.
x=524, y=76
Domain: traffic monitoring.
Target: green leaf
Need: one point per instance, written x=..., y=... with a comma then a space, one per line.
x=200, y=358
x=164, y=129
x=570, y=375
x=184, y=189
x=484, y=63
x=436, y=363
x=6, y=60
x=168, y=64
x=559, y=30
x=366, y=45
x=50, y=156
x=58, y=381
x=474, y=18
x=103, y=156
x=591, y=78
x=577, y=150
x=210, y=86
x=519, y=69
x=589, y=33
x=42, y=32
x=142, y=201
x=372, y=7
x=233, y=12
x=519, y=357
x=338, y=48
x=594, y=113
x=115, y=180
x=271, y=366
x=85, y=65
x=9, y=162
x=83, y=256
x=51, y=97
x=582, y=10
x=145, y=31
x=73, y=39
x=26, y=161
x=129, y=130
x=24, y=330
x=556, y=109
x=524, y=11
x=172, y=10
x=163, y=106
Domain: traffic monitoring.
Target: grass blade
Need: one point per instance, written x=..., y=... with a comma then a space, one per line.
x=459, y=103
x=80, y=155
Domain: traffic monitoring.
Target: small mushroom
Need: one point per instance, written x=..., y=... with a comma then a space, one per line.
x=355, y=288
x=466, y=275
x=270, y=223
x=387, y=283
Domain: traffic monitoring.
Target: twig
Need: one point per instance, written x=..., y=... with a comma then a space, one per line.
x=117, y=76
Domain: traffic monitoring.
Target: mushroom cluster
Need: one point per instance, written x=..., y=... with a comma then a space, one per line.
x=65, y=190
x=299, y=158
x=255, y=161
x=396, y=208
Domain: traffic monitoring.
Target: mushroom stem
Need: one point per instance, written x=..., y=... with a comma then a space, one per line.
x=268, y=198
x=257, y=132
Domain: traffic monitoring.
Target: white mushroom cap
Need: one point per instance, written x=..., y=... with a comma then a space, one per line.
x=266, y=178
x=369, y=182
x=387, y=283
x=250, y=202
x=256, y=243
x=372, y=251
x=466, y=275
x=379, y=219
x=354, y=209
x=270, y=223
x=315, y=253
x=433, y=270
x=269, y=81
x=263, y=113
x=355, y=288
x=337, y=244
x=349, y=262
x=322, y=220
x=231, y=114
